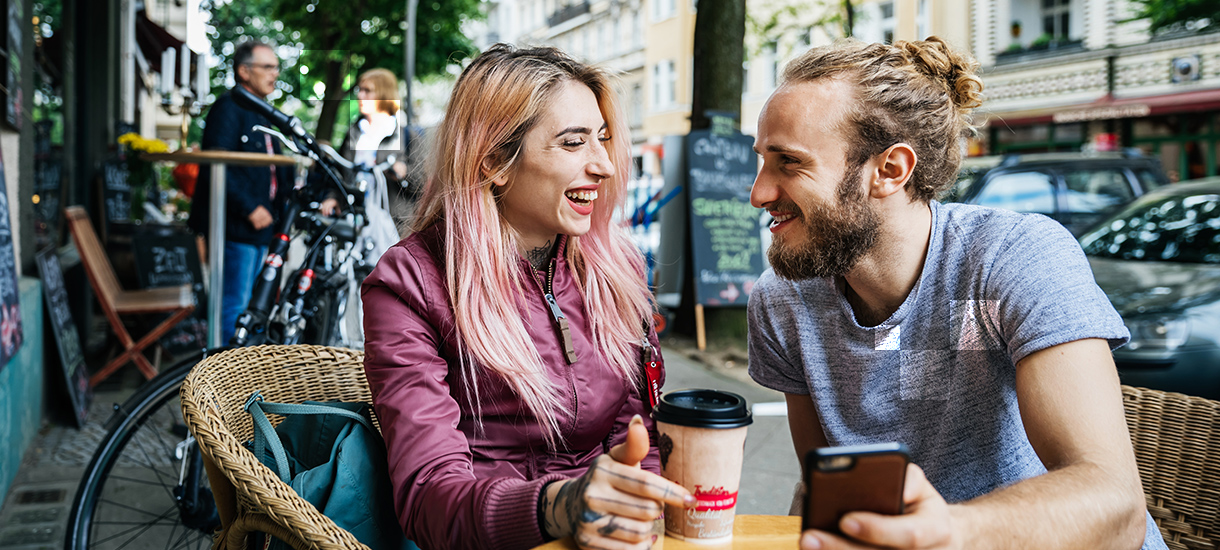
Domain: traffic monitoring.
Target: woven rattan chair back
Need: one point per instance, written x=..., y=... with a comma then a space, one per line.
x=1177, y=446
x=249, y=496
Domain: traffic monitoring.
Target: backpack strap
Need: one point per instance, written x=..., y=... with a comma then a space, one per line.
x=265, y=436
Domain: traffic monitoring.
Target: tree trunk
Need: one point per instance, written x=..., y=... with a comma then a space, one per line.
x=720, y=29
x=849, y=18
x=333, y=100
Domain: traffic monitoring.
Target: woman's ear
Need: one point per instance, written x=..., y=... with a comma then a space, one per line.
x=489, y=172
x=894, y=168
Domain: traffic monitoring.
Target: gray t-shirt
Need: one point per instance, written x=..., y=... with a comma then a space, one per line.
x=940, y=374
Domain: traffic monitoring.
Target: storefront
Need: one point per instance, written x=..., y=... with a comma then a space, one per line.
x=1181, y=129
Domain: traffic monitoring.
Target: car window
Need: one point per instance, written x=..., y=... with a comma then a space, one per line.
x=1148, y=179
x=1095, y=191
x=1020, y=191
x=1175, y=228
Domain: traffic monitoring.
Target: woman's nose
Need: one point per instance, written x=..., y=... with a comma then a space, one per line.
x=600, y=165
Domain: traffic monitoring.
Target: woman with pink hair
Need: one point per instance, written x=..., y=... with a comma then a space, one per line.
x=508, y=341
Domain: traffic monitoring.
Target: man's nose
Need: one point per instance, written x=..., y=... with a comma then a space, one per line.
x=763, y=192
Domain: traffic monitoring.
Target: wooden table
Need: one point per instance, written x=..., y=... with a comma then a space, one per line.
x=749, y=533
x=216, y=232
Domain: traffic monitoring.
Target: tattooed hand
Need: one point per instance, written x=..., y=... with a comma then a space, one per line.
x=612, y=506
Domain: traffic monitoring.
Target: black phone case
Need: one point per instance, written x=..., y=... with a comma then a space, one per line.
x=872, y=483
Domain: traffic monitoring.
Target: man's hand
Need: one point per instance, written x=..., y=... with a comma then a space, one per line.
x=328, y=207
x=260, y=218
x=926, y=523
x=612, y=506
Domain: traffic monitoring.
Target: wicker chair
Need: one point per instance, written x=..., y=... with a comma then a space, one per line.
x=249, y=496
x=1177, y=446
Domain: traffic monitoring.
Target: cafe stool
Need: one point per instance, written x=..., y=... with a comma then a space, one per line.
x=249, y=496
x=1177, y=446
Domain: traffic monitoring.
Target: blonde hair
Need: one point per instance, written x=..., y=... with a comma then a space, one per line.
x=919, y=93
x=382, y=84
x=496, y=101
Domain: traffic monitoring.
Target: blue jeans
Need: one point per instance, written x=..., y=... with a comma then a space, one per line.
x=242, y=263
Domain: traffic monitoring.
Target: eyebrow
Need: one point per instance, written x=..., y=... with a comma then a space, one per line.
x=780, y=149
x=579, y=130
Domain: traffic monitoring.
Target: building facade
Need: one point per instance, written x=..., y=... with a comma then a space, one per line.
x=1067, y=75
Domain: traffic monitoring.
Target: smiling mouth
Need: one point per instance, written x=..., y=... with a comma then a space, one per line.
x=777, y=219
x=581, y=197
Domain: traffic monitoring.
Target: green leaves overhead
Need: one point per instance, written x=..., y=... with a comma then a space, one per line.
x=1177, y=15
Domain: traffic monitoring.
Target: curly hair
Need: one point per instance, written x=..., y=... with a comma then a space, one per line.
x=916, y=92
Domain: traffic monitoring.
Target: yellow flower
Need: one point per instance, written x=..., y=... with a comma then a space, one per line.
x=136, y=142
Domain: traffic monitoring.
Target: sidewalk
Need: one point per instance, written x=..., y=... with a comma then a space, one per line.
x=35, y=510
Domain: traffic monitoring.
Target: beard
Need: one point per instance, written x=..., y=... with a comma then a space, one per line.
x=835, y=237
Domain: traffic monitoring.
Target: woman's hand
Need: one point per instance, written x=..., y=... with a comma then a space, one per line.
x=612, y=506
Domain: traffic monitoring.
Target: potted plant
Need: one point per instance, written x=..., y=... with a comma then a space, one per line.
x=142, y=174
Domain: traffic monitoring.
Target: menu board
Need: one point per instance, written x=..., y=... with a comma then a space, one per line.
x=67, y=340
x=724, y=226
x=116, y=191
x=168, y=256
x=10, y=297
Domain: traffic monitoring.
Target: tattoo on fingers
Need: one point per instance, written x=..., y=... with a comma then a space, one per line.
x=612, y=527
x=666, y=490
x=651, y=509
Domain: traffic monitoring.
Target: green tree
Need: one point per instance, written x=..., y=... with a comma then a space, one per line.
x=336, y=40
x=1177, y=15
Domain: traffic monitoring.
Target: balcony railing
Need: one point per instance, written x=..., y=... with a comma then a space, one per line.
x=567, y=12
x=1039, y=51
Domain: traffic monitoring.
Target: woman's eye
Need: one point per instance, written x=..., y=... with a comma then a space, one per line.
x=576, y=143
x=603, y=138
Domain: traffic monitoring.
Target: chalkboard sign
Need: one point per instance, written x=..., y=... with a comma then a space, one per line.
x=724, y=227
x=67, y=341
x=116, y=191
x=168, y=256
x=10, y=298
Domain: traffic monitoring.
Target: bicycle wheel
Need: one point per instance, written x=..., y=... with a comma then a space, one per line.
x=131, y=496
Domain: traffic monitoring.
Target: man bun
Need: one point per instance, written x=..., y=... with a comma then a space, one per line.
x=952, y=70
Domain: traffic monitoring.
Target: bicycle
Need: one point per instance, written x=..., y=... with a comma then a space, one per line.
x=147, y=466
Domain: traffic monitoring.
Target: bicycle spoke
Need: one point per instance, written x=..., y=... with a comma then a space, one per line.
x=146, y=527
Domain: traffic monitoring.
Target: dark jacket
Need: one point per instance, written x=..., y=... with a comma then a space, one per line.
x=229, y=127
x=455, y=485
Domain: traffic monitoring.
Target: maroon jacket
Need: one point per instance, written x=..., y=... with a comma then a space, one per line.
x=455, y=485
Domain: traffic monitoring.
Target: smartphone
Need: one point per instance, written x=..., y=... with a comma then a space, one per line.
x=862, y=478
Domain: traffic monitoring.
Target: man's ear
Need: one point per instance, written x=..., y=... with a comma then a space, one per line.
x=894, y=168
x=243, y=73
x=489, y=171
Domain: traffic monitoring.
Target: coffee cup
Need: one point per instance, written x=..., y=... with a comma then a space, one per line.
x=702, y=436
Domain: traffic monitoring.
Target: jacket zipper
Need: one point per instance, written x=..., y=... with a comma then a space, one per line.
x=565, y=334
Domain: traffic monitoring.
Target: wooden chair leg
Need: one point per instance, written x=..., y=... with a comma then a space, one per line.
x=134, y=351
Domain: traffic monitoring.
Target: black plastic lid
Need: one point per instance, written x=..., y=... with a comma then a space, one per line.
x=703, y=409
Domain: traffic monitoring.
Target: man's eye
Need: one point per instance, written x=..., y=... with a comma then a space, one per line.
x=787, y=160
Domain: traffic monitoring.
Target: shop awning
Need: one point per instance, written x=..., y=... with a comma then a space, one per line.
x=153, y=39
x=1108, y=108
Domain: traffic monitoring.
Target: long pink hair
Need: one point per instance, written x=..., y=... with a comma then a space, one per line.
x=497, y=99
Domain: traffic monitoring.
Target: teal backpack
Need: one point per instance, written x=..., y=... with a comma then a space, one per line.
x=333, y=457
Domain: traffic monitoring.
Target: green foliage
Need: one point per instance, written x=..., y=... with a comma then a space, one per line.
x=333, y=41
x=1043, y=40
x=1177, y=15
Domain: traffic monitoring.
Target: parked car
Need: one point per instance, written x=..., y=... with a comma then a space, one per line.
x=1077, y=189
x=1158, y=260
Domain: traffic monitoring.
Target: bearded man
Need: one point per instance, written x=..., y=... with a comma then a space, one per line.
x=975, y=336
